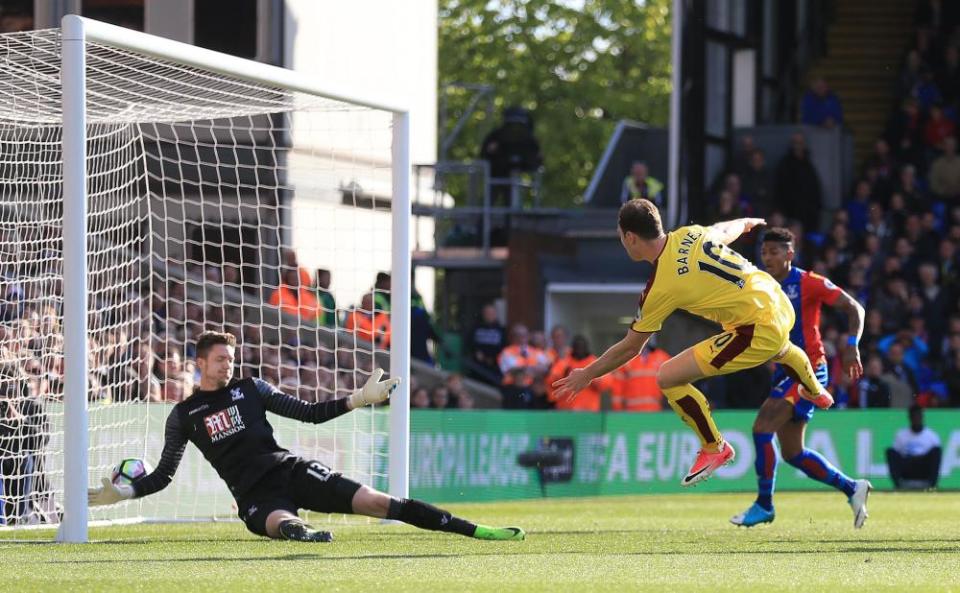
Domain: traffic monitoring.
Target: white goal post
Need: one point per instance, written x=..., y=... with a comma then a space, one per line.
x=77, y=36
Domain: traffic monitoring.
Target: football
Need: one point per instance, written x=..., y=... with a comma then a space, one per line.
x=129, y=471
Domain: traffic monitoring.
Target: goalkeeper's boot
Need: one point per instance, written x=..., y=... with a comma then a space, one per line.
x=708, y=462
x=823, y=400
x=299, y=531
x=858, y=502
x=755, y=515
x=499, y=533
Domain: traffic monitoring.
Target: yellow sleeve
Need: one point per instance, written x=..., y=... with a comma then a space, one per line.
x=655, y=307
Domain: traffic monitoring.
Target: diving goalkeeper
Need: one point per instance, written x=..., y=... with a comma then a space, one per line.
x=227, y=421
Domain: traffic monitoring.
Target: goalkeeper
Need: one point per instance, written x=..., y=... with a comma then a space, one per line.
x=227, y=421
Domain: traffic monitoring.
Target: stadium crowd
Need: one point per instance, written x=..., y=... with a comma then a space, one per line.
x=894, y=243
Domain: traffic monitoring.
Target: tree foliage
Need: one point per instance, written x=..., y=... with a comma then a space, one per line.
x=578, y=65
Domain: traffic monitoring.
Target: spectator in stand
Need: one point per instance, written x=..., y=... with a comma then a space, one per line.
x=740, y=162
x=538, y=340
x=891, y=302
x=294, y=297
x=326, y=303
x=948, y=75
x=727, y=208
x=913, y=196
x=873, y=390
x=635, y=386
x=640, y=184
x=421, y=330
x=484, y=343
x=899, y=376
x=591, y=398
x=820, y=106
x=877, y=225
x=914, y=459
x=904, y=132
x=520, y=364
x=420, y=398
x=897, y=214
x=910, y=74
x=368, y=325
x=945, y=172
x=381, y=292
x=798, y=190
x=466, y=401
x=926, y=91
x=951, y=378
x=934, y=301
x=885, y=166
x=440, y=398
x=456, y=388
x=758, y=185
x=948, y=269
x=559, y=344
x=938, y=128
x=858, y=208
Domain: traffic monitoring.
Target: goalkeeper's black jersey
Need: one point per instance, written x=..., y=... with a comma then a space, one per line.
x=230, y=428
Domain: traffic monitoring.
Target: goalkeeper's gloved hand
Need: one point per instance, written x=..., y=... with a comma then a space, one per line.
x=374, y=391
x=109, y=493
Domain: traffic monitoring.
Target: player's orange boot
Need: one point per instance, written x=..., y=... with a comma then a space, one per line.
x=708, y=462
x=823, y=401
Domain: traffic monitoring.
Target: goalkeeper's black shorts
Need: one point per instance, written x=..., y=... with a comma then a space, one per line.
x=293, y=486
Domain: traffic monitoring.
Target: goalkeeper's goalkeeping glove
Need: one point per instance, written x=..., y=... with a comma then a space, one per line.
x=109, y=493
x=374, y=391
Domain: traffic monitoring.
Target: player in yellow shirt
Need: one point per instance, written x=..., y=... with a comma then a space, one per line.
x=694, y=270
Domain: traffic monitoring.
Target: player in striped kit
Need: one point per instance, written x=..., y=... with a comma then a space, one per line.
x=786, y=414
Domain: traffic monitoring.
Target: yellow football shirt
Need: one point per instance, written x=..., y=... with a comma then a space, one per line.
x=699, y=274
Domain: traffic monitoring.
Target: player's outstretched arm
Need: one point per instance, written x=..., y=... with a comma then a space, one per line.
x=174, y=444
x=855, y=315
x=616, y=356
x=729, y=231
x=373, y=391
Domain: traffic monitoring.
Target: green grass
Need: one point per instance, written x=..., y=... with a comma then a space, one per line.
x=656, y=543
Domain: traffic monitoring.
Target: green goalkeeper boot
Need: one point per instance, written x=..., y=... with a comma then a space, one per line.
x=499, y=533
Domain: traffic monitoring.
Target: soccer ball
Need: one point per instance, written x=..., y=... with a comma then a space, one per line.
x=129, y=471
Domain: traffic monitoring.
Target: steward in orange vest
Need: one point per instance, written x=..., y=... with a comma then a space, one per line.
x=636, y=387
x=579, y=357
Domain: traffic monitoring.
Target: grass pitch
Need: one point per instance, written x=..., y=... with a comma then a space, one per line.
x=679, y=542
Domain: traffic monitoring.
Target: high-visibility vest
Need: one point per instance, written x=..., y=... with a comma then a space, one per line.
x=369, y=327
x=300, y=302
x=517, y=357
x=587, y=400
x=636, y=383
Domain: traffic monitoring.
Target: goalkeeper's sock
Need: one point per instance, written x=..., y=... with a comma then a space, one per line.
x=692, y=407
x=796, y=363
x=426, y=516
x=766, y=468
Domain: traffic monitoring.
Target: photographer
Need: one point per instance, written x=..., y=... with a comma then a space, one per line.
x=23, y=428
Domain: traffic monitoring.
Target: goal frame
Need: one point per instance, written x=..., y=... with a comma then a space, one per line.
x=76, y=31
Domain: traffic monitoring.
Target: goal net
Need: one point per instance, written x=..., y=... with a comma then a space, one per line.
x=221, y=194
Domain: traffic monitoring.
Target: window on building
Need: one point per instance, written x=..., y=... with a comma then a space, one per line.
x=122, y=13
x=16, y=15
x=228, y=26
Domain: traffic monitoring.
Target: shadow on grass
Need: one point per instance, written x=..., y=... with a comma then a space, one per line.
x=499, y=552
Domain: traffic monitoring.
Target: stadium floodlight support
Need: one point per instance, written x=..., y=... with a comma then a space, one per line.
x=76, y=33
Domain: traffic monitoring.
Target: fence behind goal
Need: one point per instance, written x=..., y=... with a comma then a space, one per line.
x=216, y=188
